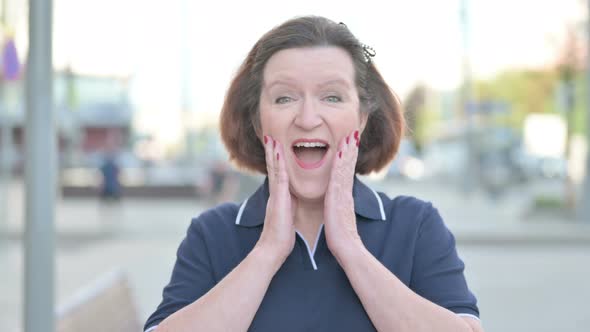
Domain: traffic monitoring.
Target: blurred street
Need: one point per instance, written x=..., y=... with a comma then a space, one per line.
x=528, y=275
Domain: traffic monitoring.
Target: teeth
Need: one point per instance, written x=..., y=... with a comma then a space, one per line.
x=310, y=145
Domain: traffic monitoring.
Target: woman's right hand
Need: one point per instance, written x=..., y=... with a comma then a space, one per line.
x=278, y=233
x=237, y=297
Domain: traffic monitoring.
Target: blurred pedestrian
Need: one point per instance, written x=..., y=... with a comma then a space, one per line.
x=224, y=182
x=110, y=190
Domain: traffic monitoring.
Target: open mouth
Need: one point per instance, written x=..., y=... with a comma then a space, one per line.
x=310, y=154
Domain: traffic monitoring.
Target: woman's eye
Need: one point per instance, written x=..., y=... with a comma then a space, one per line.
x=333, y=99
x=283, y=100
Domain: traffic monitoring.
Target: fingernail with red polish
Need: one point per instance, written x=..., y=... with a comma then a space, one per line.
x=274, y=144
x=347, y=139
x=265, y=139
x=340, y=154
x=356, y=135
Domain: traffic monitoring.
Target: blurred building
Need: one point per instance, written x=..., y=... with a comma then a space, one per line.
x=93, y=115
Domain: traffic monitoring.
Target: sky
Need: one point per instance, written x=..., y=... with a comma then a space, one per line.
x=165, y=45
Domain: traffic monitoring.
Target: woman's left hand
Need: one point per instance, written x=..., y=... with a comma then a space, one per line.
x=339, y=218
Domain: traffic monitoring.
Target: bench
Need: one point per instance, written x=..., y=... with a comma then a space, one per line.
x=106, y=305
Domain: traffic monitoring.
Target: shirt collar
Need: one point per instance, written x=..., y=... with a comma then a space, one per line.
x=367, y=204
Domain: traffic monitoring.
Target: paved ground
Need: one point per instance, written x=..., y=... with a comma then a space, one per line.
x=538, y=282
x=531, y=288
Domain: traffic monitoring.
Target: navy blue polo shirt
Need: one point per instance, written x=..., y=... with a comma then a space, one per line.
x=311, y=292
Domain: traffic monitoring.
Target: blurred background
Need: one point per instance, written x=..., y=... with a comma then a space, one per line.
x=496, y=97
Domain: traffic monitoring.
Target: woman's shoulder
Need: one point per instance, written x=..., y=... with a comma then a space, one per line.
x=410, y=204
x=402, y=209
x=414, y=217
x=404, y=203
x=408, y=209
x=220, y=217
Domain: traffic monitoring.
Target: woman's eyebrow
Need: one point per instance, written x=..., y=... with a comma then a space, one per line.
x=336, y=81
x=291, y=83
x=278, y=81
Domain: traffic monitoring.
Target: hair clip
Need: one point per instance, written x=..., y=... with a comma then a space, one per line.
x=369, y=52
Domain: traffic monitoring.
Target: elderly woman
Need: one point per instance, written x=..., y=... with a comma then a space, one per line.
x=315, y=249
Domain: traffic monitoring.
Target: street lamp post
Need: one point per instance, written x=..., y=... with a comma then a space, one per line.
x=470, y=180
x=6, y=142
x=585, y=203
x=40, y=173
x=185, y=62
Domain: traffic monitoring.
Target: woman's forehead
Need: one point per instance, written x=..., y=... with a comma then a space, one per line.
x=315, y=65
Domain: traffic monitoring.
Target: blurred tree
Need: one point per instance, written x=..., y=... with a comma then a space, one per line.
x=72, y=98
x=532, y=91
x=415, y=108
x=414, y=103
x=526, y=90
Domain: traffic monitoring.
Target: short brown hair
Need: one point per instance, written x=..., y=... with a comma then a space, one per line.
x=240, y=117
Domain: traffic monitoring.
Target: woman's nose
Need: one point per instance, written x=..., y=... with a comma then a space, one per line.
x=308, y=116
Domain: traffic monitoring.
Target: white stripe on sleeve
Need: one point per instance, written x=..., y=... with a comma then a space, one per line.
x=465, y=315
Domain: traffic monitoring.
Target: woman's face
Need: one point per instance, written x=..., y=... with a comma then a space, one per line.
x=309, y=102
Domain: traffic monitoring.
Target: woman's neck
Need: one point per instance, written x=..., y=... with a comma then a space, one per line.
x=309, y=215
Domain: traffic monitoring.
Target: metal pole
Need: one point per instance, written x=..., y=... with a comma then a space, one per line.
x=470, y=180
x=585, y=203
x=5, y=144
x=185, y=61
x=40, y=171
x=5, y=163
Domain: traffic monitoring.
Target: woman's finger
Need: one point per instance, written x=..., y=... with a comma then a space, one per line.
x=345, y=163
x=353, y=151
x=280, y=169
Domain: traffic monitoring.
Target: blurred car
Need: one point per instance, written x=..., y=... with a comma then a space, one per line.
x=543, y=167
x=407, y=163
x=445, y=159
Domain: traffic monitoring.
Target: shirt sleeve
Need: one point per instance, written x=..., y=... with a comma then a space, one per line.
x=437, y=273
x=191, y=278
